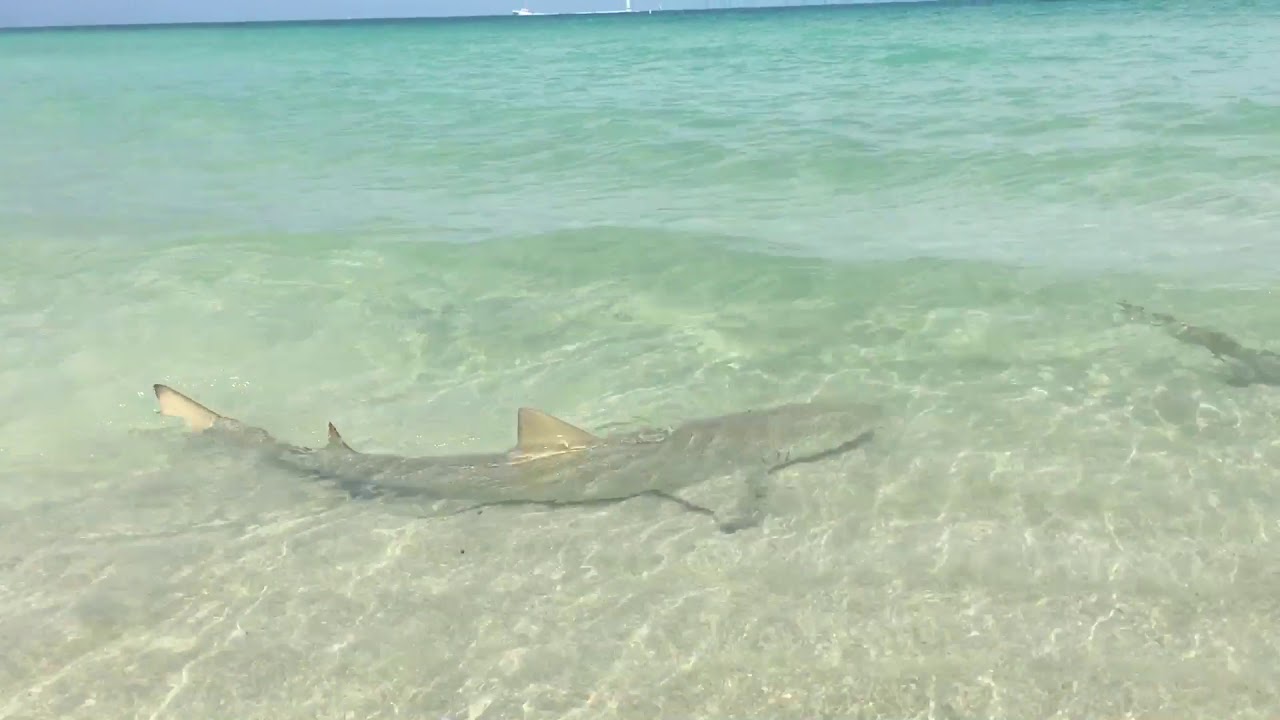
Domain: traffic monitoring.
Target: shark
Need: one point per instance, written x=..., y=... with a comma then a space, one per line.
x=555, y=464
x=1246, y=365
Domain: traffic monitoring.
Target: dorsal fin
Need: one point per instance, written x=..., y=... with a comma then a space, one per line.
x=335, y=440
x=537, y=431
x=175, y=404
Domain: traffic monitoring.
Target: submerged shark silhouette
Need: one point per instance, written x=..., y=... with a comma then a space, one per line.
x=1246, y=366
x=556, y=464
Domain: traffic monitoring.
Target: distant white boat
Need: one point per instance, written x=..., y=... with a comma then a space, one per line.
x=526, y=11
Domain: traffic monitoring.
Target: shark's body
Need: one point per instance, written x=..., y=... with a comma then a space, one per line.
x=554, y=463
x=1247, y=365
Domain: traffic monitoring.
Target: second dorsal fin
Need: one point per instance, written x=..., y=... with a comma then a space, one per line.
x=335, y=440
x=537, y=431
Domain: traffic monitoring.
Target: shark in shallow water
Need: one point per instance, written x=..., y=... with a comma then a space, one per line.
x=1246, y=365
x=554, y=463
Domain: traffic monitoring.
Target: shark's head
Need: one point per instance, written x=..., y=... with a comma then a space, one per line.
x=787, y=434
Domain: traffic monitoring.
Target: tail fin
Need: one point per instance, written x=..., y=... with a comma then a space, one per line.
x=175, y=404
x=1138, y=313
x=335, y=440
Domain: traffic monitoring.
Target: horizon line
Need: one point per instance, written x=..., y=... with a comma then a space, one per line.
x=387, y=19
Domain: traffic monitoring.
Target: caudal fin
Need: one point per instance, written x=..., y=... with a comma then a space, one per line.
x=175, y=404
x=335, y=440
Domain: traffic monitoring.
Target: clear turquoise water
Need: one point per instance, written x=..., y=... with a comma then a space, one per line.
x=413, y=228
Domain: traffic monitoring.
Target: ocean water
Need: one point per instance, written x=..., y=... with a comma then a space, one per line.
x=413, y=228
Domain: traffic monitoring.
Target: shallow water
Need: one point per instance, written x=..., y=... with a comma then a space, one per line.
x=411, y=229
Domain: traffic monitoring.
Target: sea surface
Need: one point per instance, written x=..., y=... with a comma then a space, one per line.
x=411, y=229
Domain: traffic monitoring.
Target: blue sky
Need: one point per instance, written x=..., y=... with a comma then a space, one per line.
x=92, y=12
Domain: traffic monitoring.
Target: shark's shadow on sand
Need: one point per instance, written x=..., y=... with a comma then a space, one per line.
x=555, y=464
x=1245, y=366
